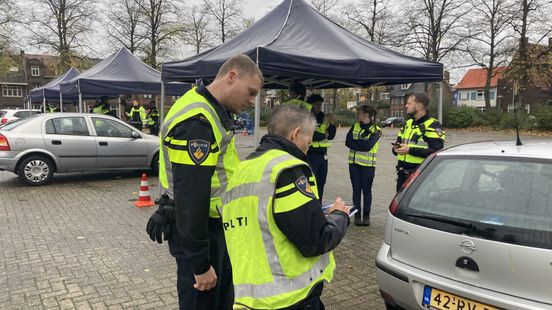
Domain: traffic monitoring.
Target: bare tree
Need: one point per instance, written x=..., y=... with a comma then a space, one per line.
x=61, y=25
x=529, y=64
x=372, y=17
x=125, y=24
x=161, y=28
x=324, y=6
x=434, y=28
x=490, y=45
x=8, y=16
x=227, y=14
x=196, y=30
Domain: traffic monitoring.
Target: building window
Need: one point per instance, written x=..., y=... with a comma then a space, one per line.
x=148, y=96
x=480, y=94
x=12, y=91
x=405, y=86
x=35, y=71
x=473, y=95
x=36, y=85
x=384, y=96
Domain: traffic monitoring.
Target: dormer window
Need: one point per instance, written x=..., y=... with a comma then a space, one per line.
x=35, y=71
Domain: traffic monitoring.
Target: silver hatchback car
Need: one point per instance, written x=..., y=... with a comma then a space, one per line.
x=38, y=146
x=472, y=229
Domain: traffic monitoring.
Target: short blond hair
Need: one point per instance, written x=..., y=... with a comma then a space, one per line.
x=242, y=64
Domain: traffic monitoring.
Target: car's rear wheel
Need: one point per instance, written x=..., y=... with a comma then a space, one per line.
x=36, y=170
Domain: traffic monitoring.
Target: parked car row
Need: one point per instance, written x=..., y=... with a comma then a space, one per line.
x=43, y=144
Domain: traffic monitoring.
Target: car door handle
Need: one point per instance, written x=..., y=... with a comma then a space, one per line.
x=56, y=142
x=103, y=143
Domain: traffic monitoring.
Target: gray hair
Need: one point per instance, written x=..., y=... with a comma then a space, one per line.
x=285, y=118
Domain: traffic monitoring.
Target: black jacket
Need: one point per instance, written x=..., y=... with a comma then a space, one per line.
x=192, y=187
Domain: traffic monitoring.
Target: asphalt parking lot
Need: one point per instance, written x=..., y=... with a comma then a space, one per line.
x=79, y=243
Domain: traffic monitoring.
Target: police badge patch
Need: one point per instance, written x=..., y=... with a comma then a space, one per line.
x=198, y=150
x=302, y=183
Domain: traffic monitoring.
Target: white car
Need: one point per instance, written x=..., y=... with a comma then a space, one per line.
x=8, y=116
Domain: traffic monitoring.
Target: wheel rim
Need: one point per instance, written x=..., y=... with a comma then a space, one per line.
x=36, y=171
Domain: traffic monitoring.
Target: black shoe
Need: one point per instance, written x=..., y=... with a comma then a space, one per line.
x=358, y=220
x=366, y=220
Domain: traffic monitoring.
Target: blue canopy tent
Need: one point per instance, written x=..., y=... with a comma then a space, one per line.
x=294, y=42
x=120, y=73
x=50, y=91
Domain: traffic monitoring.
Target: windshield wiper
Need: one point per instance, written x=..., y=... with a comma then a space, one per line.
x=469, y=226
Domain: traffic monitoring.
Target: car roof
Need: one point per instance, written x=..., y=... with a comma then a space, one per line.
x=529, y=149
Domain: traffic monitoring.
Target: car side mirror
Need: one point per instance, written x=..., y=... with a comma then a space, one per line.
x=135, y=135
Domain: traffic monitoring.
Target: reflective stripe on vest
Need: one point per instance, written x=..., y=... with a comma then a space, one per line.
x=321, y=128
x=100, y=110
x=413, y=136
x=189, y=105
x=269, y=272
x=364, y=158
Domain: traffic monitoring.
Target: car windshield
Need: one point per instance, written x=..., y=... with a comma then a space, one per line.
x=507, y=200
x=18, y=123
x=2, y=113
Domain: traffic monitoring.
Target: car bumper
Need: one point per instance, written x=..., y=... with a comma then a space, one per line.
x=7, y=161
x=405, y=284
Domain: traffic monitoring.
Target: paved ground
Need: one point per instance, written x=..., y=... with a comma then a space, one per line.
x=80, y=243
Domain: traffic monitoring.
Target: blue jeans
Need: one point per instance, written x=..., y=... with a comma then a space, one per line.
x=362, y=178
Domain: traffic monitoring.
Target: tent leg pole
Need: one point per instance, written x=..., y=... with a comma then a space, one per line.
x=257, y=118
x=60, y=102
x=162, y=107
x=43, y=104
x=81, y=108
x=119, y=108
x=440, y=115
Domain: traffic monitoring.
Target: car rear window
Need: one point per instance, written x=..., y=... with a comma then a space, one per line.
x=17, y=123
x=2, y=113
x=502, y=199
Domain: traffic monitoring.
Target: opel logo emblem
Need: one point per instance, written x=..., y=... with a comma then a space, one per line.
x=467, y=246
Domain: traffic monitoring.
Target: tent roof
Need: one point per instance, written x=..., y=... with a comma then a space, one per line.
x=50, y=90
x=295, y=42
x=120, y=73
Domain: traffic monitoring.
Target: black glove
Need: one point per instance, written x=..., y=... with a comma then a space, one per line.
x=161, y=224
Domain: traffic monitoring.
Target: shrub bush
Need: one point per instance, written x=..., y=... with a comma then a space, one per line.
x=344, y=117
x=543, y=118
x=461, y=117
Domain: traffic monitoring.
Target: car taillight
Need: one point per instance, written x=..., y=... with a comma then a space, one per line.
x=394, y=206
x=411, y=179
x=4, y=120
x=4, y=144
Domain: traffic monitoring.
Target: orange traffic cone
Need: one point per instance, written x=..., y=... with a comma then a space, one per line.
x=144, y=198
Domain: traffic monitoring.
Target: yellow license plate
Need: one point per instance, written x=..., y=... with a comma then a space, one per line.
x=437, y=299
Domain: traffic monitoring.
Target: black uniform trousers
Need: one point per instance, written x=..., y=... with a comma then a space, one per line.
x=154, y=129
x=319, y=165
x=222, y=295
x=362, y=178
x=402, y=176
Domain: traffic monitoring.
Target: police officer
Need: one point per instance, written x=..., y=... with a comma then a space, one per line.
x=51, y=109
x=137, y=115
x=362, y=141
x=278, y=238
x=318, y=151
x=102, y=107
x=421, y=136
x=153, y=119
x=297, y=93
x=197, y=158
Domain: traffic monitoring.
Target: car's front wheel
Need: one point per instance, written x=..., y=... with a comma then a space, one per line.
x=155, y=165
x=36, y=170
